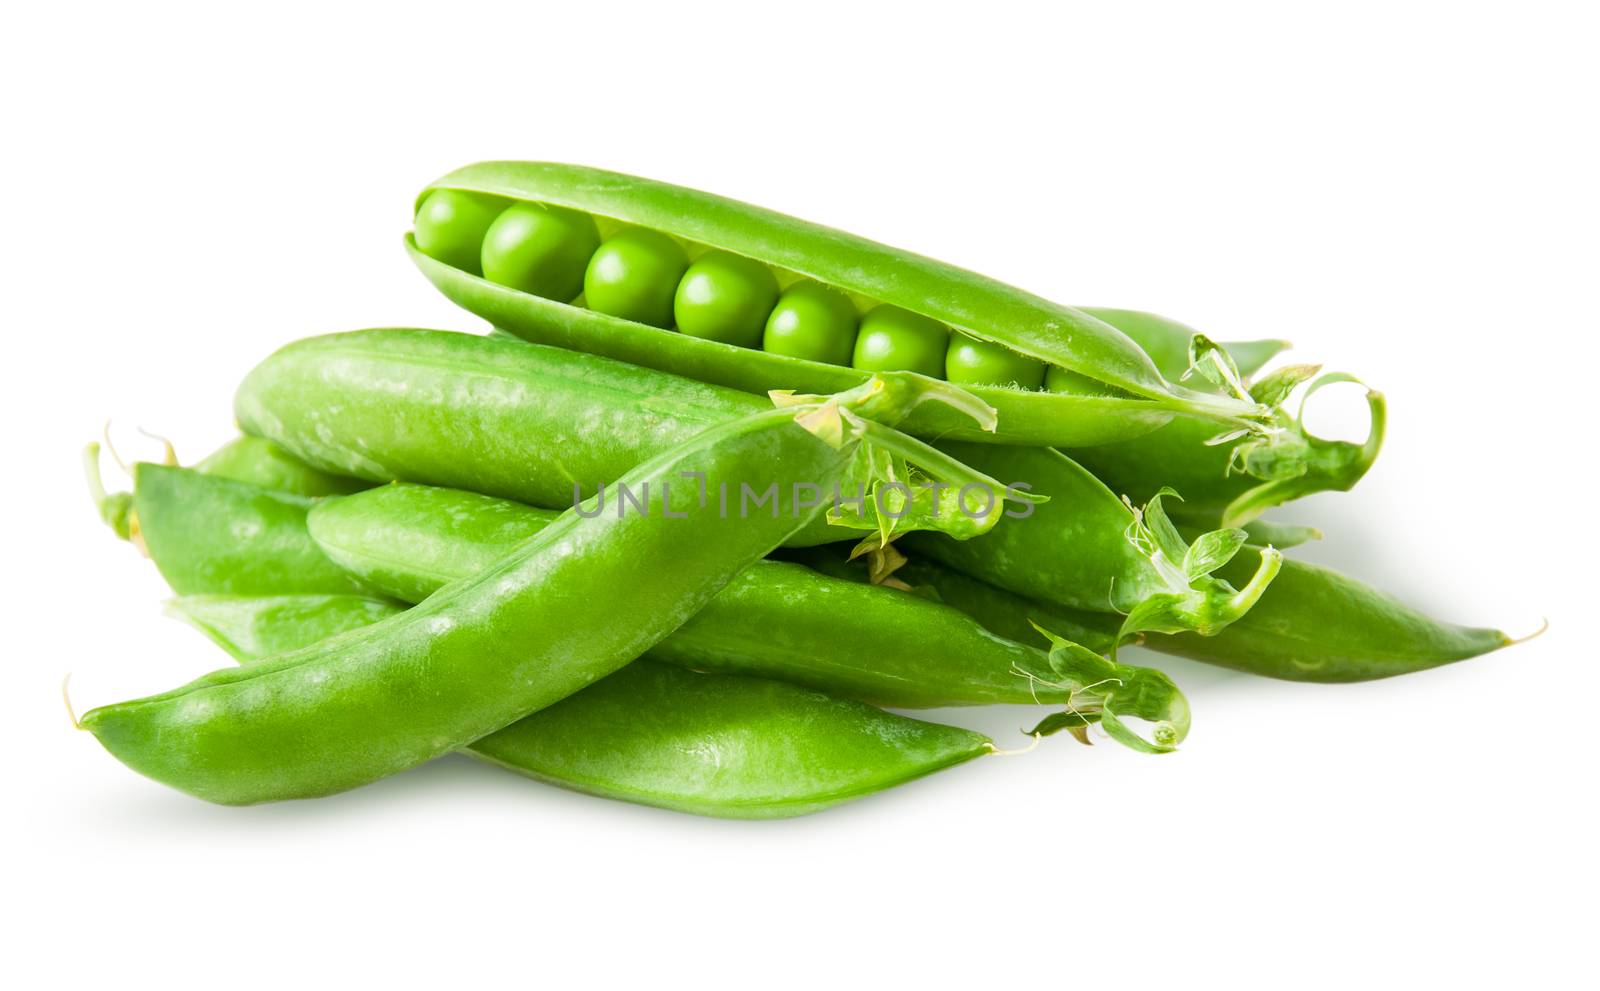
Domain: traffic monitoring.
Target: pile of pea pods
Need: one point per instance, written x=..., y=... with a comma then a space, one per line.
x=715, y=497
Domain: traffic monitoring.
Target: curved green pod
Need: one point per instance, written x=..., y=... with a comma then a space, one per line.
x=256, y=627
x=555, y=614
x=1231, y=483
x=213, y=535
x=258, y=461
x=1311, y=624
x=1087, y=549
x=1007, y=614
x=652, y=734
x=775, y=619
x=1315, y=624
x=723, y=745
x=1135, y=398
x=1170, y=344
x=536, y=424
x=480, y=413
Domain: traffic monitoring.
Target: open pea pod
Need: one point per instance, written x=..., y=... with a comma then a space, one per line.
x=1120, y=393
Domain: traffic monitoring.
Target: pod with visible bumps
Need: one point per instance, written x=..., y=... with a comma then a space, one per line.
x=1134, y=397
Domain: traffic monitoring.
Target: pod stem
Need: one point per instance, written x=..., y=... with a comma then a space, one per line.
x=1103, y=690
x=66, y=699
x=115, y=508
x=896, y=497
x=1300, y=463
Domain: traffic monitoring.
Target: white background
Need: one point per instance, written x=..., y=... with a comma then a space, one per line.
x=1408, y=192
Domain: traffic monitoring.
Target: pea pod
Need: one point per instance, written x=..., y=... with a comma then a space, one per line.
x=212, y=535
x=775, y=619
x=1316, y=624
x=558, y=612
x=347, y=402
x=716, y=745
x=540, y=425
x=1133, y=397
x=261, y=462
x=254, y=628
x=1170, y=344
x=1087, y=549
x=1228, y=484
x=1312, y=624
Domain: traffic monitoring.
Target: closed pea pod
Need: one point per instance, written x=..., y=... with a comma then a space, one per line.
x=415, y=685
x=537, y=424
x=260, y=462
x=254, y=628
x=1087, y=549
x=1315, y=624
x=775, y=619
x=1312, y=624
x=209, y=534
x=1139, y=399
x=333, y=401
x=717, y=745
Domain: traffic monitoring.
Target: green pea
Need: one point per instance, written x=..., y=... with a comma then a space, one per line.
x=973, y=362
x=894, y=340
x=540, y=249
x=1058, y=379
x=634, y=276
x=812, y=321
x=725, y=297
x=450, y=226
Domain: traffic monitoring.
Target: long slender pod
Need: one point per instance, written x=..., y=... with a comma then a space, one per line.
x=260, y=462
x=1312, y=623
x=539, y=425
x=718, y=745
x=1087, y=549
x=529, y=423
x=497, y=204
x=775, y=619
x=560, y=611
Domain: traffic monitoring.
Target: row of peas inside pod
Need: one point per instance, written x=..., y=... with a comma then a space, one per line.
x=652, y=278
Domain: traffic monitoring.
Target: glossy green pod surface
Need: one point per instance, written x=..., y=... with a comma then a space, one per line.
x=479, y=413
x=1315, y=624
x=775, y=619
x=723, y=745
x=1138, y=399
x=253, y=628
x=1087, y=549
x=560, y=611
x=257, y=461
x=213, y=535
x=716, y=745
x=1311, y=624
x=536, y=424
